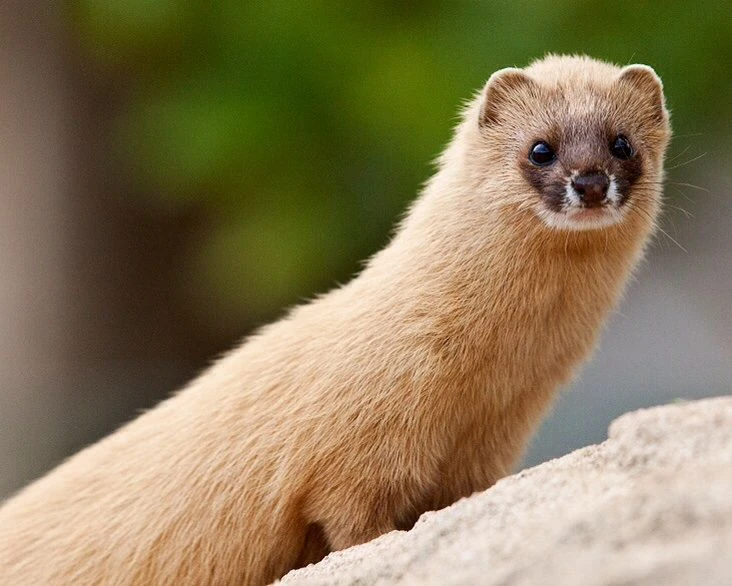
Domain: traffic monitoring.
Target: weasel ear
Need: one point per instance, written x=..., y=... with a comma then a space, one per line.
x=502, y=86
x=646, y=87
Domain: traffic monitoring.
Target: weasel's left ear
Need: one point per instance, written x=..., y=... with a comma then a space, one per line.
x=646, y=87
x=502, y=87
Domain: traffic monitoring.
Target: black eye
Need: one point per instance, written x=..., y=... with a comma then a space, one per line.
x=542, y=154
x=621, y=148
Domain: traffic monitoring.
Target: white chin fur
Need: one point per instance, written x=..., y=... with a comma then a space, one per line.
x=582, y=218
x=576, y=217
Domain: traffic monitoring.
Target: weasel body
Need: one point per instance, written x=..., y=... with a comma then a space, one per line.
x=417, y=383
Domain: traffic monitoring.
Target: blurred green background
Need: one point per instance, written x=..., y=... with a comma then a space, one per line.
x=175, y=173
x=305, y=127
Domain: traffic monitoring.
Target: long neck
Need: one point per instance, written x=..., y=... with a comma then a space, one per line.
x=501, y=300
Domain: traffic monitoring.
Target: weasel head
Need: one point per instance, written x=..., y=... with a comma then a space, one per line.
x=579, y=142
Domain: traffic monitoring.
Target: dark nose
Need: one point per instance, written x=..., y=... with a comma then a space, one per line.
x=591, y=188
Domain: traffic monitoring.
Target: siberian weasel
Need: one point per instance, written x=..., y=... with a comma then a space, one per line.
x=417, y=383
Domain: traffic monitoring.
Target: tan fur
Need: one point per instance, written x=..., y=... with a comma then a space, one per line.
x=417, y=383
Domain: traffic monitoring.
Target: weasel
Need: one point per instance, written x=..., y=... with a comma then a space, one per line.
x=417, y=383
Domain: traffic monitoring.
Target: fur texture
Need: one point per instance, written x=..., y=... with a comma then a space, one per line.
x=417, y=383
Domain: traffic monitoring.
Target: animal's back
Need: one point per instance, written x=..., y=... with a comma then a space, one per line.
x=182, y=495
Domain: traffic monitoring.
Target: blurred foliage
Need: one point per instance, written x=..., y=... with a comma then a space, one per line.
x=305, y=127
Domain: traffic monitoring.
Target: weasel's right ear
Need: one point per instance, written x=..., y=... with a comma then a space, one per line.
x=646, y=87
x=502, y=86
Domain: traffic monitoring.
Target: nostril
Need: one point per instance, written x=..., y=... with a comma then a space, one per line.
x=578, y=187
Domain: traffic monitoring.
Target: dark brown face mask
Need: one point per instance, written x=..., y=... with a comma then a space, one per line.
x=591, y=169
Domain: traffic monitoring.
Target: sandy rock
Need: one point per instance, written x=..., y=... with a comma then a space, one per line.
x=651, y=505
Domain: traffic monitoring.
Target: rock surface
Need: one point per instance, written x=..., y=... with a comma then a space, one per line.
x=651, y=505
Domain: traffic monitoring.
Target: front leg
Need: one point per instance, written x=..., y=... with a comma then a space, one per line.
x=354, y=530
x=354, y=517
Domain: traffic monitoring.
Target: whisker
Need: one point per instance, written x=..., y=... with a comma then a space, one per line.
x=676, y=156
x=686, y=213
x=672, y=239
x=690, y=134
x=690, y=185
x=686, y=162
x=661, y=230
x=681, y=193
